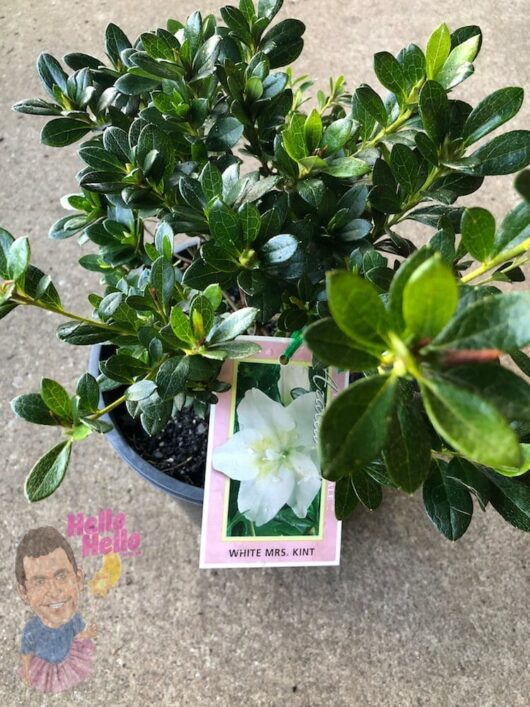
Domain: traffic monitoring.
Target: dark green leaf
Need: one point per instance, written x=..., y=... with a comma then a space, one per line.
x=504, y=154
x=224, y=134
x=345, y=498
x=140, y=391
x=492, y=112
x=472, y=478
x=278, y=250
x=233, y=325
x=51, y=74
x=32, y=408
x=156, y=415
x=367, y=490
x=162, y=279
x=345, y=167
x=413, y=61
x=211, y=182
x=122, y=368
x=358, y=310
x=294, y=138
x=407, y=453
x=6, y=240
x=283, y=43
x=522, y=361
x=354, y=427
x=390, y=73
x=522, y=184
x=132, y=84
x=511, y=499
x=514, y=229
x=88, y=391
x=171, y=377
x=331, y=346
x=434, y=111
x=405, y=167
x=36, y=106
x=372, y=103
x=225, y=228
x=447, y=502
x=63, y=131
x=336, y=135
x=478, y=232
x=500, y=322
x=115, y=42
x=82, y=334
x=250, y=220
x=56, y=398
x=48, y=473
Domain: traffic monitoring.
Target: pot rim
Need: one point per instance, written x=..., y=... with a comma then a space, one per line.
x=158, y=479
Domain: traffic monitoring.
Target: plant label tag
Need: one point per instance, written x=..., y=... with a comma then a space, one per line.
x=265, y=503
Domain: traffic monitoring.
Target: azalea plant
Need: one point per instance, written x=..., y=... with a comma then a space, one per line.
x=297, y=204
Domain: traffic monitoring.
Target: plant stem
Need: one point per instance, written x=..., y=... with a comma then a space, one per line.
x=107, y=408
x=496, y=261
x=398, y=122
x=22, y=299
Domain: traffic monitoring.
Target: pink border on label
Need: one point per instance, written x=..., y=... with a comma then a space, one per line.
x=261, y=553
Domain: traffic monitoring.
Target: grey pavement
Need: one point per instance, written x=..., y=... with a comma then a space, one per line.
x=408, y=618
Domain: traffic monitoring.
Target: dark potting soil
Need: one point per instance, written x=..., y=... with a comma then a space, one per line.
x=179, y=450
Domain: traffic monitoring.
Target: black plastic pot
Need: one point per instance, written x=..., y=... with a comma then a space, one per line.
x=175, y=488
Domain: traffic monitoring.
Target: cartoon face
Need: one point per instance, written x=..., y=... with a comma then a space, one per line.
x=52, y=587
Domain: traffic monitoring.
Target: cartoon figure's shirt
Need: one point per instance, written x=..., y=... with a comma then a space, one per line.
x=50, y=644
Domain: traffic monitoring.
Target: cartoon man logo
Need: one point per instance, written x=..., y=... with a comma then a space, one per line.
x=56, y=651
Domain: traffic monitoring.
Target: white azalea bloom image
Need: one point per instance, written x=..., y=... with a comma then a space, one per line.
x=273, y=454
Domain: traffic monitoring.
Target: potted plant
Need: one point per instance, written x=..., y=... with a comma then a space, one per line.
x=296, y=213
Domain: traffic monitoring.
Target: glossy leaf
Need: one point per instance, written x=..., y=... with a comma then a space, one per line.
x=505, y=154
x=331, y=346
x=48, y=473
x=407, y=453
x=358, y=310
x=32, y=408
x=471, y=477
x=492, y=112
x=478, y=232
x=430, y=297
x=171, y=377
x=437, y=51
x=500, y=322
x=63, y=131
x=354, y=427
x=434, y=111
x=56, y=398
x=346, y=499
x=470, y=424
x=511, y=499
x=514, y=229
x=233, y=325
x=447, y=502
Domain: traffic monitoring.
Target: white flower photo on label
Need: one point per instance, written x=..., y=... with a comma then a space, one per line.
x=273, y=455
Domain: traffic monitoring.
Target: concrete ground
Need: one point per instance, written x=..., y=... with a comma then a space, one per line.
x=408, y=618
